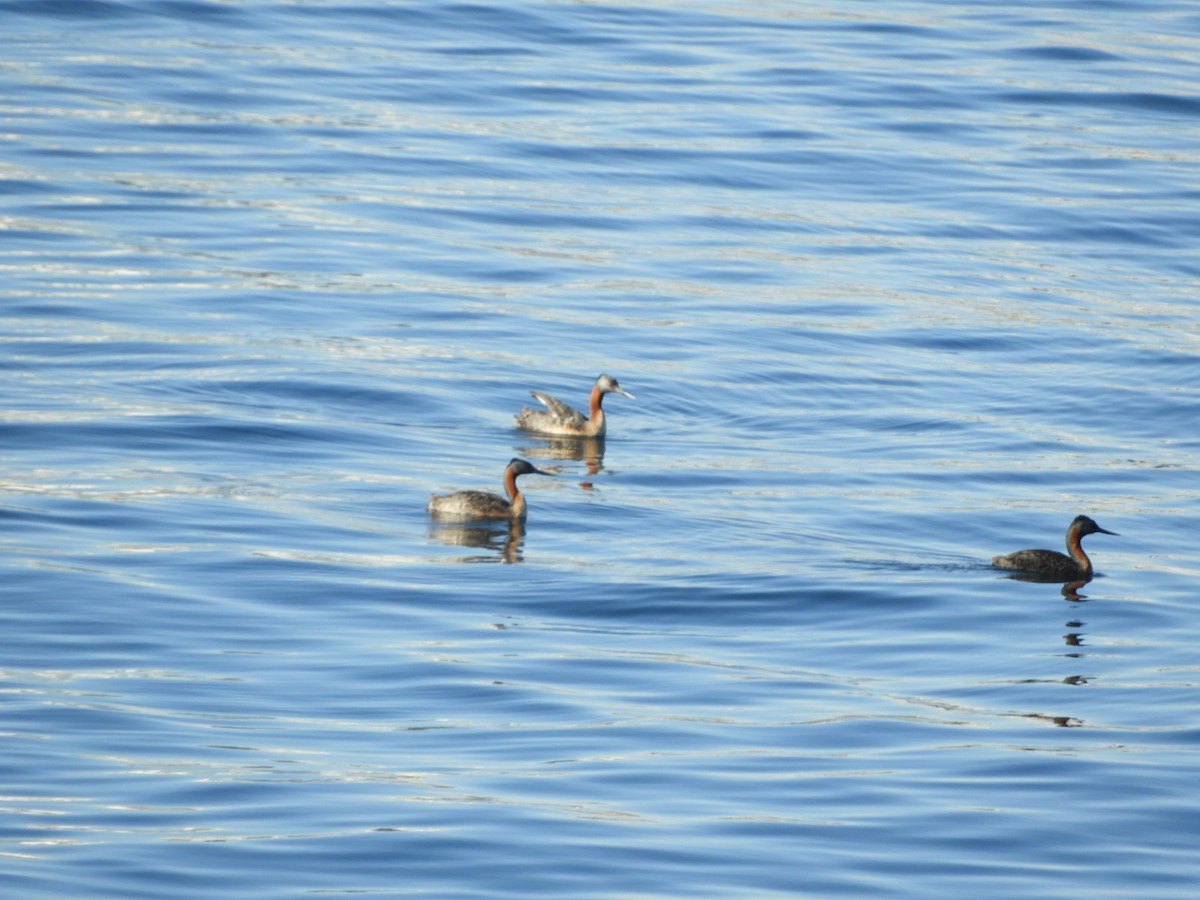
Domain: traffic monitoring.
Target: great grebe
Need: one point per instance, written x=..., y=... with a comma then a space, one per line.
x=558, y=418
x=474, y=505
x=1051, y=562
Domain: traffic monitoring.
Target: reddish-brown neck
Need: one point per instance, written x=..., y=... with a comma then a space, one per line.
x=515, y=497
x=596, y=399
x=1075, y=550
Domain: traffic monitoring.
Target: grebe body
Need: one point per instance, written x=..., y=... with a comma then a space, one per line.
x=1070, y=565
x=560, y=419
x=475, y=505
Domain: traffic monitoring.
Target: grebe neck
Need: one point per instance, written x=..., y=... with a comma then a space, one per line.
x=515, y=498
x=1075, y=551
x=595, y=410
x=510, y=485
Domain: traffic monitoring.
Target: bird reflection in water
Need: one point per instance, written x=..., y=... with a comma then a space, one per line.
x=587, y=450
x=1069, y=590
x=503, y=541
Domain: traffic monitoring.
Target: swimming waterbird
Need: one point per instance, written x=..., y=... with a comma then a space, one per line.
x=558, y=418
x=1073, y=564
x=474, y=505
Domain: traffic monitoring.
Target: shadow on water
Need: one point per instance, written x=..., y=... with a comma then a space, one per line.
x=503, y=540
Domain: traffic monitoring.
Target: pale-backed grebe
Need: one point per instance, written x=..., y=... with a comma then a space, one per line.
x=474, y=505
x=558, y=418
x=1051, y=562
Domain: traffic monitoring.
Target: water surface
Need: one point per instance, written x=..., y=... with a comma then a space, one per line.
x=898, y=287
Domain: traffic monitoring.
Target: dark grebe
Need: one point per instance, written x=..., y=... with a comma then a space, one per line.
x=1051, y=562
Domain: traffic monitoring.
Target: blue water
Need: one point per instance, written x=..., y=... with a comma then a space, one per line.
x=898, y=286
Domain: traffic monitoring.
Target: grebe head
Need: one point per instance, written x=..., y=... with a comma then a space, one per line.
x=1082, y=525
x=522, y=467
x=608, y=385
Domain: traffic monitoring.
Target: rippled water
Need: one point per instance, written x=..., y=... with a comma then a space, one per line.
x=898, y=287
